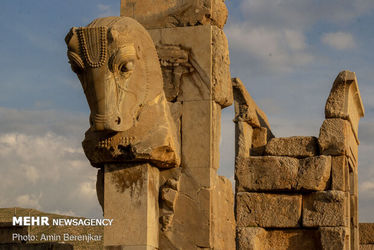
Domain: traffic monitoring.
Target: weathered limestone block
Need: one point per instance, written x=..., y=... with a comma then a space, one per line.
x=336, y=138
x=196, y=121
x=258, y=173
x=260, y=137
x=221, y=76
x=268, y=210
x=131, y=190
x=243, y=139
x=169, y=182
x=345, y=101
x=367, y=247
x=195, y=63
x=366, y=233
x=314, y=173
x=339, y=173
x=325, y=208
x=247, y=110
x=255, y=238
x=270, y=173
x=223, y=222
x=191, y=222
x=335, y=238
x=251, y=238
x=169, y=196
x=175, y=13
x=296, y=146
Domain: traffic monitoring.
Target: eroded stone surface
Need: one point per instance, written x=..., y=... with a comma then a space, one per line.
x=268, y=210
x=367, y=247
x=345, y=101
x=366, y=233
x=339, y=173
x=243, y=139
x=221, y=77
x=246, y=108
x=255, y=238
x=296, y=146
x=251, y=238
x=131, y=190
x=270, y=173
x=175, y=13
x=195, y=63
x=223, y=222
x=314, y=173
x=325, y=208
x=258, y=173
x=260, y=137
x=336, y=138
x=335, y=238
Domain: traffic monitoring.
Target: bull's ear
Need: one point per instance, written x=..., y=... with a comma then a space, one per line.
x=113, y=35
x=70, y=34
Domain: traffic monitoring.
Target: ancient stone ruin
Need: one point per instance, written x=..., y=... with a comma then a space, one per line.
x=298, y=192
x=156, y=80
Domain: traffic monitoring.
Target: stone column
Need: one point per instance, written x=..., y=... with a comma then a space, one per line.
x=131, y=200
x=196, y=204
x=339, y=137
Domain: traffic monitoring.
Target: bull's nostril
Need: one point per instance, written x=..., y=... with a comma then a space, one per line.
x=118, y=121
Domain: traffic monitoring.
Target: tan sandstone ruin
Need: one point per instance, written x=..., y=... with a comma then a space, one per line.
x=298, y=192
x=156, y=80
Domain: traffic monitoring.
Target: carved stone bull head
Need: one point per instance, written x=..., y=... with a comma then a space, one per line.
x=117, y=64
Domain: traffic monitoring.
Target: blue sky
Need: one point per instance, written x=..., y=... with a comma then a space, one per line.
x=287, y=52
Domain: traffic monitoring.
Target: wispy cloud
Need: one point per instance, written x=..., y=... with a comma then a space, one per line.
x=107, y=10
x=278, y=49
x=339, y=40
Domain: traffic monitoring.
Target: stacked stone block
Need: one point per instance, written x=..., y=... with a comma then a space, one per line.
x=298, y=192
x=366, y=236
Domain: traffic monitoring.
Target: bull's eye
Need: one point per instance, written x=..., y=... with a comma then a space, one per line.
x=126, y=67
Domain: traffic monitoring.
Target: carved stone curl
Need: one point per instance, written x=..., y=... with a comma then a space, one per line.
x=116, y=61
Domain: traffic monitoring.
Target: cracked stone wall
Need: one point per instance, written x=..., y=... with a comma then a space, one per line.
x=298, y=192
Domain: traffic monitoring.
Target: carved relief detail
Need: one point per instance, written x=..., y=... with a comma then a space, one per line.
x=93, y=43
x=114, y=142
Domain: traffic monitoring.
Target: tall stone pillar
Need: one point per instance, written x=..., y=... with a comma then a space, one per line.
x=196, y=209
x=339, y=138
x=132, y=134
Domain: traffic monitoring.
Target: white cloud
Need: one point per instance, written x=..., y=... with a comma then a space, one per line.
x=303, y=13
x=28, y=201
x=339, y=40
x=278, y=49
x=42, y=164
x=107, y=10
x=367, y=186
